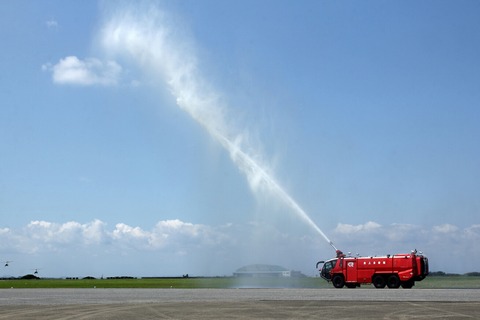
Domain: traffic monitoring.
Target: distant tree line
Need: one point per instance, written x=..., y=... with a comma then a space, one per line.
x=444, y=274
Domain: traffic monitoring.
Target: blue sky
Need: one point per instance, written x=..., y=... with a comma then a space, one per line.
x=153, y=138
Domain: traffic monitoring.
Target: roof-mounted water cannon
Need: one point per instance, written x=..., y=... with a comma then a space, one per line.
x=340, y=254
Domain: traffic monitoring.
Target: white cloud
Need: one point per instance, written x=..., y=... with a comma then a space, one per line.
x=72, y=232
x=91, y=71
x=94, y=232
x=349, y=228
x=125, y=236
x=51, y=23
x=445, y=228
x=45, y=236
x=473, y=233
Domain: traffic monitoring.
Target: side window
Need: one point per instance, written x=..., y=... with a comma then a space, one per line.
x=329, y=265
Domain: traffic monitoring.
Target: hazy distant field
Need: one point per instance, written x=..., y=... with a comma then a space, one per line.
x=222, y=282
x=449, y=282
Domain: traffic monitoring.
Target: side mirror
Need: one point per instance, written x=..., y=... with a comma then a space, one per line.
x=319, y=262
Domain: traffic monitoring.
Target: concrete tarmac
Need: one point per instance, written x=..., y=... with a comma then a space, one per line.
x=239, y=304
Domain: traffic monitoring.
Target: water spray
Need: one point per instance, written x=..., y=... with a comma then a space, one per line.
x=149, y=41
x=251, y=167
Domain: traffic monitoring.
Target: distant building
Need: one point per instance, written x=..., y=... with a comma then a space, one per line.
x=265, y=270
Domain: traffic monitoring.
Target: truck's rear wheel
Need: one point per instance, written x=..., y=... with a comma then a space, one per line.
x=407, y=284
x=379, y=282
x=338, y=281
x=393, y=281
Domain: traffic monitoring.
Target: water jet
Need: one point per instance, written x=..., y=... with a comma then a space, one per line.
x=149, y=41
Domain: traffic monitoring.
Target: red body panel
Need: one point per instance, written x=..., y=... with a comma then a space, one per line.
x=361, y=270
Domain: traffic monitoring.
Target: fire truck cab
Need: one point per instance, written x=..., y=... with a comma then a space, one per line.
x=392, y=271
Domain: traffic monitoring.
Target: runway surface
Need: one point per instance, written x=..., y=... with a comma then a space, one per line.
x=239, y=304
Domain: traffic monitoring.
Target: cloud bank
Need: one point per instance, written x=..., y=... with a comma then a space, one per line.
x=44, y=236
x=218, y=249
x=90, y=71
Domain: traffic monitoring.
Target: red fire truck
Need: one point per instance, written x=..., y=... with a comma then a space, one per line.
x=392, y=271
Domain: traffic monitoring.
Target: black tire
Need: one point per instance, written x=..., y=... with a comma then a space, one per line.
x=379, y=282
x=338, y=281
x=407, y=284
x=393, y=282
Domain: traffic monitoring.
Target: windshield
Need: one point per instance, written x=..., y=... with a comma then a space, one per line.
x=329, y=265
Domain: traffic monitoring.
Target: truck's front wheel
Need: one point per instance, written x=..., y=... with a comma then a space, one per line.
x=338, y=281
